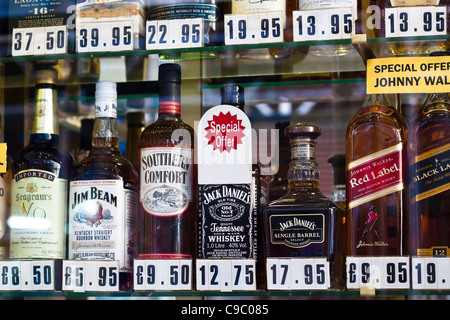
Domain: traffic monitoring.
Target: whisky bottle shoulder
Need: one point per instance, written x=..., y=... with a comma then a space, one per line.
x=301, y=200
x=160, y=133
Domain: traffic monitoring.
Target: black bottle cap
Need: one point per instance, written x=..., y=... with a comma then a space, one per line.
x=169, y=72
x=302, y=129
x=439, y=53
x=136, y=119
x=337, y=162
x=233, y=95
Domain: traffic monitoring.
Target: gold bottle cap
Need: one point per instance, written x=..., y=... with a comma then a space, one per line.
x=48, y=76
x=302, y=129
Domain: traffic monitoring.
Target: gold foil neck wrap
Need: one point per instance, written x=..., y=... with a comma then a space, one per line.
x=46, y=76
x=45, y=120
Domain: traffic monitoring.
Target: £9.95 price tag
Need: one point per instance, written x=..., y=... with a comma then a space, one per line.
x=172, y=34
x=81, y=276
x=430, y=272
x=102, y=36
x=162, y=274
x=39, y=41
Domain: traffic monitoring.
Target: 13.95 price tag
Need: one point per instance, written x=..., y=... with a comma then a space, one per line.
x=172, y=34
x=27, y=275
x=102, y=36
x=430, y=272
x=39, y=41
x=81, y=276
x=163, y=274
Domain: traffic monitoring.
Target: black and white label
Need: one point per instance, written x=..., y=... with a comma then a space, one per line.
x=98, y=37
x=81, y=276
x=27, y=275
x=172, y=34
x=430, y=273
x=163, y=274
x=39, y=41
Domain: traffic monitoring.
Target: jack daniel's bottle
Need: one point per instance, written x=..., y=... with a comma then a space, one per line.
x=104, y=193
x=41, y=173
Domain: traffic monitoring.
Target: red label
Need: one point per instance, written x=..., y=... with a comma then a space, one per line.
x=375, y=176
x=169, y=107
x=375, y=109
x=225, y=132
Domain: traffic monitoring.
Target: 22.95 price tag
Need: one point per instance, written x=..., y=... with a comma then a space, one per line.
x=27, y=275
x=163, y=274
x=172, y=34
x=97, y=37
x=39, y=41
x=82, y=275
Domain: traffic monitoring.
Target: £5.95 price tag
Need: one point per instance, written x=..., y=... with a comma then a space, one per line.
x=163, y=274
x=39, y=41
x=177, y=33
x=430, y=272
x=27, y=275
x=102, y=36
x=81, y=276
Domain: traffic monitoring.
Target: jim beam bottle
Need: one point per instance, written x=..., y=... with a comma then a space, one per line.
x=167, y=176
x=228, y=206
x=41, y=173
x=103, y=197
x=377, y=200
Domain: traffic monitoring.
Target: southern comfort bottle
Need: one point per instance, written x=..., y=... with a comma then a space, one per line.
x=166, y=176
x=41, y=173
x=376, y=155
x=103, y=197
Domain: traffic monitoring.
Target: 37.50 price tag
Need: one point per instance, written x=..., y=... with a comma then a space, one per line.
x=102, y=36
x=82, y=275
x=27, y=275
x=254, y=28
x=415, y=21
x=430, y=272
x=323, y=24
x=298, y=274
x=163, y=274
x=172, y=34
x=39, y=41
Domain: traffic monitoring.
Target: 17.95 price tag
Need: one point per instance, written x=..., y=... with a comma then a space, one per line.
x=39, y=41
x=162, y=274
x=82, y=275
x=172, y=34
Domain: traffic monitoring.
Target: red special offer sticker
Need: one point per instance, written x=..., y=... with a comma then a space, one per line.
x=224, y=132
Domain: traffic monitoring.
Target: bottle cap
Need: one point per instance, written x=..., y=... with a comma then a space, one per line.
x=233, y=95
x=136, y=119
x=439, y=53
x=105, y=99
x=169, y=72
x=46, y=76
x=302, y=129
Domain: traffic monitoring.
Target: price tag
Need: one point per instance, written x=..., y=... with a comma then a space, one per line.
x=298, y=274
x=323, y=24
x=81, y=276
x=39, y=41
x=163, y=274
x=103, y=36
x=430, y=272
x=27, y=275
x=177, y=33
x=378, y=272
x=415, y=21
x=254, y=28
x=226, y=275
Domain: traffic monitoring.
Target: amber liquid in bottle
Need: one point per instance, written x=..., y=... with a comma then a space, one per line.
x=376, y=155
x=285, y=219
x=430, y=178
x=167, y=176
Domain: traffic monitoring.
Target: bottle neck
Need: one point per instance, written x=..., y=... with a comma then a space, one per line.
x=375, y=100
x=45, y=123
x=105, y=133
x=169, y=101
x=437, y=101
x=303, y=169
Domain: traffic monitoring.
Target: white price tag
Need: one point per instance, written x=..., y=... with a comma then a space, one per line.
x=298, y=274
x=163, y=274
x=430, y=272
x=102, y=36
x=323, y=24
x=226, y=274
x=171, y=34
x=378, y=272
x=415, y=21
x=254, y=28
x=81, y=276
x=27, y=275
x=39, y=41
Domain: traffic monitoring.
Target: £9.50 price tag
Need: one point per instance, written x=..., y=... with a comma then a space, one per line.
x=39, y=41
x=27, y=275
x=163, y=274
x=323, y=24
x=172, y=34
x=415, y=21
x=430, y=273
x=97, y=37
x=81, y=276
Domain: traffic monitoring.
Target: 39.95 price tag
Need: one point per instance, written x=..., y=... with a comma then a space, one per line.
x=415, y=21
x=39, y=41
x=323, y=24
x=378, y=272
x=254, y=28
x=430, y=272
x=226, y=274
x=163, y=274
x=102, y=36
x=27, y=275
x=172, y=34
x=298, y=274
x=81, y=276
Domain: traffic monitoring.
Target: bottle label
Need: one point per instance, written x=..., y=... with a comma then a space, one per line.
x=297, y=230
x=430, y=173
x=102, y=221
x=302, y=151
x=414, y=3
x=105, y=108
x=166, y=180
x=3, y=207
x=314, y=4
x=38, y=215
x=45, y=121
x=255, y=7
x=226, y=222
x=207, y=11
x=375, y=175
x=375, y=109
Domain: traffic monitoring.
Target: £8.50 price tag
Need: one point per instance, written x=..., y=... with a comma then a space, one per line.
x=97, y=37
x=415, y=21
x=39, y=41
x=430, y=272
x=81, y=276
x=163, y=274
x=323, y=24
x=172, y=34
x=27, y=275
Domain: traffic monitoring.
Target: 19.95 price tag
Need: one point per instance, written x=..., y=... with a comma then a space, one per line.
x=172, y=34
x=163, y=274
x=323, y=24
x=430, y=272
x=226, y=274
x=415, y=21
x=39, y=41
x=254, y=28
x=298, y=274
x=102, y=36
x=27, y=275
x=81, y=276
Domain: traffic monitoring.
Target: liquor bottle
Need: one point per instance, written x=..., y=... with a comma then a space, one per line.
x=279, y=185
x=87, y=126
x=167, y=175
x=337, y=195
x=103, y=195
x=135, y=126
x=430, y=178
x=303, y=222
x=41, y=173
x=5, y=205
x=377, y=201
